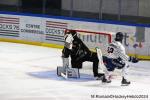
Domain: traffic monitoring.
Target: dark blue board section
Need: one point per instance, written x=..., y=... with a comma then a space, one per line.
x=77, y=19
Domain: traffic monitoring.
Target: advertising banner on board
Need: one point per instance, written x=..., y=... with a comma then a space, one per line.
x=9, y=26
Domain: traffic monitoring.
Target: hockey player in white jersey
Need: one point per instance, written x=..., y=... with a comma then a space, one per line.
x=117, y=58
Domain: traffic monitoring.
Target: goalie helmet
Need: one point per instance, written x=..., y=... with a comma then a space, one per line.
x=73, y=32
x=119, y=37
x=68, y=39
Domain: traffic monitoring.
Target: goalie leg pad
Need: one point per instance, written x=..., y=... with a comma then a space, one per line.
x=73, y=73
x=68, y=72
x=65, y=62
x=60, y=70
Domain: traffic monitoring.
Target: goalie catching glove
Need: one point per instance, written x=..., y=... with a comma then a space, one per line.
x=133, y=59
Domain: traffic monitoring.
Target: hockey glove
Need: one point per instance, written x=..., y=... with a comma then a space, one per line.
x=133, y=59
x=96, y=48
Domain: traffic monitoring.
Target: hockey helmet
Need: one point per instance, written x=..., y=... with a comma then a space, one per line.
x=73, y=32
x=67, y=31
x=119, y=36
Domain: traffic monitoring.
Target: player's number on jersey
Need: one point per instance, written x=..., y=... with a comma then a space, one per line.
x=110, y=50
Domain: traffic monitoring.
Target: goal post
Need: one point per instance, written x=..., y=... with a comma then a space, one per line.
x=103, y=35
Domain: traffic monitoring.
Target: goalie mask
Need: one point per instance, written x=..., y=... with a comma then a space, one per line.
x=73, y=33
x=119, y=37
x=68, y=39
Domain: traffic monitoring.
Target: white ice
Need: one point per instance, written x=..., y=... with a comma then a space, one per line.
x=28, y=72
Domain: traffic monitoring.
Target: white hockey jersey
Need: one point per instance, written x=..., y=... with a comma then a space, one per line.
x=116, y=50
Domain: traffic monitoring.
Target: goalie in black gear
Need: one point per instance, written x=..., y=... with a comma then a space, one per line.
x=79, y=53
x=116, y=58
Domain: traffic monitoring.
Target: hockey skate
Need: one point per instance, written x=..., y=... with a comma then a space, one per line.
x=99, y=76
x=104, y=80
x=124, y=82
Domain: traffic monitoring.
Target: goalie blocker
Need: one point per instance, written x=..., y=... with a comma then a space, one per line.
x=68, y=72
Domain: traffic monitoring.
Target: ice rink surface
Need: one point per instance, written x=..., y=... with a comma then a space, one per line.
x=28, y=72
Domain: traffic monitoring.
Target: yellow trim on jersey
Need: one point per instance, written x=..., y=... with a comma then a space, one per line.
x=143, y=57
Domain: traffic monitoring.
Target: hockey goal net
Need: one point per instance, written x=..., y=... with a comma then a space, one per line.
x=95, y=39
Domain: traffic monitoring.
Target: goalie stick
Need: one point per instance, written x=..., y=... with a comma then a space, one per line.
x=101, y=64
